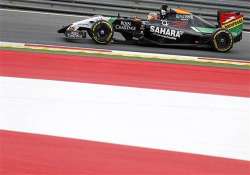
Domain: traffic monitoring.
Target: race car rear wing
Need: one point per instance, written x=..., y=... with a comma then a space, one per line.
x=231, y=20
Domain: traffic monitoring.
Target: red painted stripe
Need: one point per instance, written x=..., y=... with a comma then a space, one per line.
x=23, y=153
x=188, y=78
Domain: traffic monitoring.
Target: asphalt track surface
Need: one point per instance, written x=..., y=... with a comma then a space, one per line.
x=40, y=28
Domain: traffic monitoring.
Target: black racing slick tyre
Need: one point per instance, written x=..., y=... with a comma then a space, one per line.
x=89, y=33
x=222, y=40
x=102, y=32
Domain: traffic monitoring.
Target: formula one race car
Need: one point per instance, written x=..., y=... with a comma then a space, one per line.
x=170, y=27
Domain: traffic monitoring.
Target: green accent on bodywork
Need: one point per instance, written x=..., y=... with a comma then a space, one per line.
x=236, y=30
x=112, y=19
x=205, y=30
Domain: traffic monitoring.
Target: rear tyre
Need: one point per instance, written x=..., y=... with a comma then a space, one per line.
x=102, y=32
x=222, y=40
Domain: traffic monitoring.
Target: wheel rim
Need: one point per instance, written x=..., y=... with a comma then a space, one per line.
x=103, y=32
x=223, y=41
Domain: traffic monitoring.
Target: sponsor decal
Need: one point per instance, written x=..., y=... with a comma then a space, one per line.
x=184, y=17
x=125, y=25
x=229, y=19
x=75, y=34
x=166, y=32
x=164, y=23
x=233, y=24
x=179, y=24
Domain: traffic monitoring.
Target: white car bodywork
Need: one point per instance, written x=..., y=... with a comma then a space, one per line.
x=86, y=23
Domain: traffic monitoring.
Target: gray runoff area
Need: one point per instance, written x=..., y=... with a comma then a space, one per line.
x=42, y=28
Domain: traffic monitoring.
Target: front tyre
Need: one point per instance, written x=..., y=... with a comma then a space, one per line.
x=102, y=32
x=222, y=40
x=90, y=33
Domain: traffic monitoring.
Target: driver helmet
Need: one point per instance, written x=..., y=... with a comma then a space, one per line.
x=164, y=11
x=152, y=16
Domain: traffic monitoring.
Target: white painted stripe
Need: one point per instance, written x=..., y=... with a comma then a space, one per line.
x=178, y=121
x=42, y=13
x=195, y=29
x=11, y=44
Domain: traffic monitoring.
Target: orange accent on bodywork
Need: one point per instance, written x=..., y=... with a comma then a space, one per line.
x=182, y=11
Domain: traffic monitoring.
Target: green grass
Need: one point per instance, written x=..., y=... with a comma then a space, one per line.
x=97, y=55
